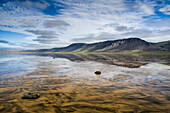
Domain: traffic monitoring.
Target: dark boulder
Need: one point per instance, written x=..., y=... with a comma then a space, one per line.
x=98, y=72
x=31, y=96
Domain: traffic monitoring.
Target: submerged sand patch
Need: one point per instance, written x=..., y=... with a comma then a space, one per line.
x=62, y=96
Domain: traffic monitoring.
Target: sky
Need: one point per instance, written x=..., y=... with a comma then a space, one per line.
x=37, y=24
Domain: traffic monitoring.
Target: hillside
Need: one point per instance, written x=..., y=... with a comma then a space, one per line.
x=165, y=45
x=112, y=46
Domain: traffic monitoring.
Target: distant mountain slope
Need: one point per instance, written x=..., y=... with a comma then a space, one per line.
x=109, y=46
x=165, y=45
x=9, y=50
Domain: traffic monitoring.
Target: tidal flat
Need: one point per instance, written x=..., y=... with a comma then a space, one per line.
x=66, y=83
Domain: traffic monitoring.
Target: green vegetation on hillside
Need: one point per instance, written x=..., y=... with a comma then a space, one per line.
x=165, y=45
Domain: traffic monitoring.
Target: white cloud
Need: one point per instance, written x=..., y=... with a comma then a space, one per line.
x=30, y=38
x=28, y=23
x=105, y=19
x=165, y=10
x=55, y=24
x=148, y=10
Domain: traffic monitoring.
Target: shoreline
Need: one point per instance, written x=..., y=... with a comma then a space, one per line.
x=125, y=52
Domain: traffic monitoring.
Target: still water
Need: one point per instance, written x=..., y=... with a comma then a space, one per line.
x=67, y=83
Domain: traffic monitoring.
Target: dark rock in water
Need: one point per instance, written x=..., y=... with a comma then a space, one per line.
x=98, y=72
x=31, y=96
x=57, y=94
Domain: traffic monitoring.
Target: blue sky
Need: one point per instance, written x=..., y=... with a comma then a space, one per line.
x=35, y=24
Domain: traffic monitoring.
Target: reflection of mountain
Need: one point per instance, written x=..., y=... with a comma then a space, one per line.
x=131, y=61
x=110, y=46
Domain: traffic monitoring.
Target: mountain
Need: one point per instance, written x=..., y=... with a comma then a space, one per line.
x=9, y=50
x=110, y=46
x=165, y=45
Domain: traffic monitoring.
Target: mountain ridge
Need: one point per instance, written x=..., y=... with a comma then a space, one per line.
x=127, y=44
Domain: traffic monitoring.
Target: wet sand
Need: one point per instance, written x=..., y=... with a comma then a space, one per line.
x=67, y=86
x=62, y=94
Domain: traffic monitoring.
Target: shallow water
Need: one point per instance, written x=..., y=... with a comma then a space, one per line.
x=67, y=83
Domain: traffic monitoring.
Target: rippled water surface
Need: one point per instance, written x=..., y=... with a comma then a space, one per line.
x=67, y=83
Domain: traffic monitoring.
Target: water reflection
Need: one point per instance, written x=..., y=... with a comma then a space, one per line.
x=68, y=83
x=125, y=60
